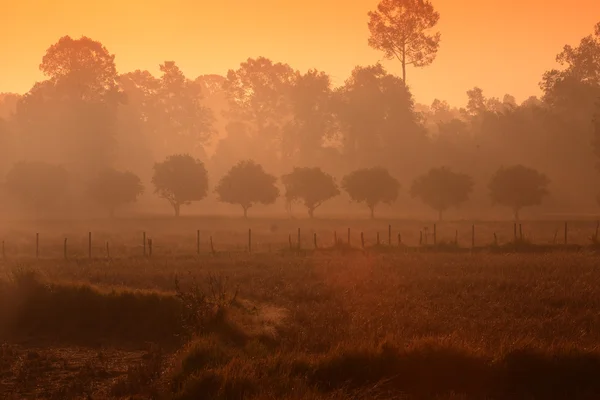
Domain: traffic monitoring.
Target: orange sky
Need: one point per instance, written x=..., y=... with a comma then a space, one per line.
x=500, y=45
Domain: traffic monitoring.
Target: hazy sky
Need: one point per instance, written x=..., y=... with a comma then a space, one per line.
x=500, y=45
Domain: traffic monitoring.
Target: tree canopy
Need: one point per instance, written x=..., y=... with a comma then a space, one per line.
x=517, y=187
x=311, y=185
x=371, y=186
x=247, y=184
x=180, y=179
x=401, y=29
x=112, y=188
x=39, y=185
x=441, y=188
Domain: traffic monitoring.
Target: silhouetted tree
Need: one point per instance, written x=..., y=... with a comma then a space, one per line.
x=37, y=184
x=246, y=184
x=441, y=188
x=183, y=123
x=258, y=95
x=180, y=179
x=71, y=117
x=596, y=133
x=517, y=187
x=112, y=188
x=8, y=105
x=580, y=72
x=312, y=120
x=371, y=186
x=376, y=118
x=400, y=28
x=311, y=185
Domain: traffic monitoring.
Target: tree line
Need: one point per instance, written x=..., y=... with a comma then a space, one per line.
x=180, y=179
x=86, y=118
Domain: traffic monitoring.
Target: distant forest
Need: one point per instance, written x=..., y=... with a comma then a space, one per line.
x=87, y=119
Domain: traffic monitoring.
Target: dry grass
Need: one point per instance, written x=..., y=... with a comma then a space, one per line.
x=328, y=325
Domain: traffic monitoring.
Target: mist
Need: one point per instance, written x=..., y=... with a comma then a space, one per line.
x=89, y=141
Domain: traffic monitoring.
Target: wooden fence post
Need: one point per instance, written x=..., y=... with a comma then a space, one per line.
x=198, y=241
x=90, y=245
x=37, y=245
x=65, y=249
x=249, y=240
x=299, y=245
x=399, y=240
x=390, y=235
x=212, y=247
x=348, y=236
x=149, y=247
x=515, y=232
x=566, y=232
x=377, y=238
x=315, y=240
x=362, y=240
x=495, y=239
x=521, y=232
x=434, y=234
x=144, y=242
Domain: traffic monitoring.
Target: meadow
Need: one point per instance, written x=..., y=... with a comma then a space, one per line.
x=400, y=322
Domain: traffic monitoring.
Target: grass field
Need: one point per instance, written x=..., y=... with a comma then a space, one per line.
x=281, y=324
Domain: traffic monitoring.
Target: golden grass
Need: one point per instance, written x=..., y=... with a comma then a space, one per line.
x=323, y=326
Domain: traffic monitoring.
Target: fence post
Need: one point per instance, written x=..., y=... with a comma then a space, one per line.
x=90, y=245
x=144, y=242
x=249, y=240
x=198, y=241
x=299, y=245
x=420, y=238
x=348, y=236
x=495, y=239
x=149, y=247
x=37, y=245
x=566, y=232
x=362, y=240
x=377, y=238
x=315, y=240
x=399, y=240
x=390, y=235
x=515, y=231
x=520, y=232
x=65, y=249
x=212, y=247
x=434, y=234
x=473, y=236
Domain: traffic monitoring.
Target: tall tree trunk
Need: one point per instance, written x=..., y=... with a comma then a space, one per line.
x=177, y=208
x=311, y=212
x=372, y=212
x=404, y=64
x=245, y=211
